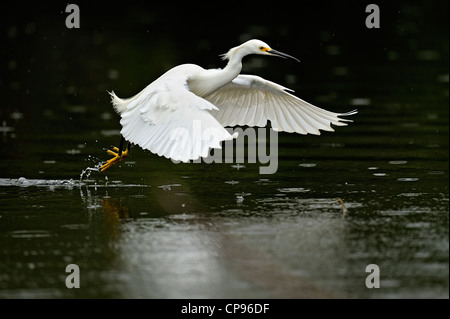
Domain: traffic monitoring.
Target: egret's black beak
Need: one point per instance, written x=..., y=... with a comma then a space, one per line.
x=281, y=54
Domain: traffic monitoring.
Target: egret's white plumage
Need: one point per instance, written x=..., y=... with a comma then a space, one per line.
x=182, y=114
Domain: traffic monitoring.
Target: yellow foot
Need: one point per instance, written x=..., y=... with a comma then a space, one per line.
x=115, y=159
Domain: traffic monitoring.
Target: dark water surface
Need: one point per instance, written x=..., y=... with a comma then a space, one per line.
x=375, y=192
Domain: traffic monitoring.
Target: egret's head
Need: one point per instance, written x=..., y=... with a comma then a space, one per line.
x=255, y=47
x=260, y=47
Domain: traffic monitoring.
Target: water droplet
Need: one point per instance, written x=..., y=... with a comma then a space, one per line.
x=293, y=190
x=30, y=234
x=16, y=116
x=73, y=151
x=398, y=162
x=88, y=171
x=409, y=194
x=168, y=187
x=407, y=179
x=435, y=172
x=360, y=101
x=109, y=133
x=380, y=174
x=307, y=165
x=106, y=116
x=113, y=74
x=238, y=166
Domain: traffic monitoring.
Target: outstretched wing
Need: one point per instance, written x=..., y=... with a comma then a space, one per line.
x=169, y=120
x=251, y=100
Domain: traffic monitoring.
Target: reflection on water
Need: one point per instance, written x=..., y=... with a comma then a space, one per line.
x=167, y=241
x=231, y=253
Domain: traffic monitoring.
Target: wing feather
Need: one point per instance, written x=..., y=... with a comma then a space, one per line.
x=169, y=120
x=252, y=100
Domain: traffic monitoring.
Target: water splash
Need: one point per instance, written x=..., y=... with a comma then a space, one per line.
x=54, y=184
x=86, y=173
x=50, y=183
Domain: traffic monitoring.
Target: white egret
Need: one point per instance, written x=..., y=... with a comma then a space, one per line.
x=182, y=114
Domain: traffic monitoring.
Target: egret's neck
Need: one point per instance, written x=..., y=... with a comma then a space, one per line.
x=234, y=65
x=209, y=81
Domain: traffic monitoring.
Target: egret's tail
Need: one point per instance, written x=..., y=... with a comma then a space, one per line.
x=120, y=105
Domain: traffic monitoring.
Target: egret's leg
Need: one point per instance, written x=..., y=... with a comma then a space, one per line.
x=122, y=140
x=117, y=153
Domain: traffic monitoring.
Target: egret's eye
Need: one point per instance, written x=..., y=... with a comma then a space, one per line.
x=261, y=48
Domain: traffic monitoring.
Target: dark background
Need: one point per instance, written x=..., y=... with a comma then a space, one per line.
x=124, y=46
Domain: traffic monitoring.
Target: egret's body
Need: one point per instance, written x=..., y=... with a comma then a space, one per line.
x=182, y=114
